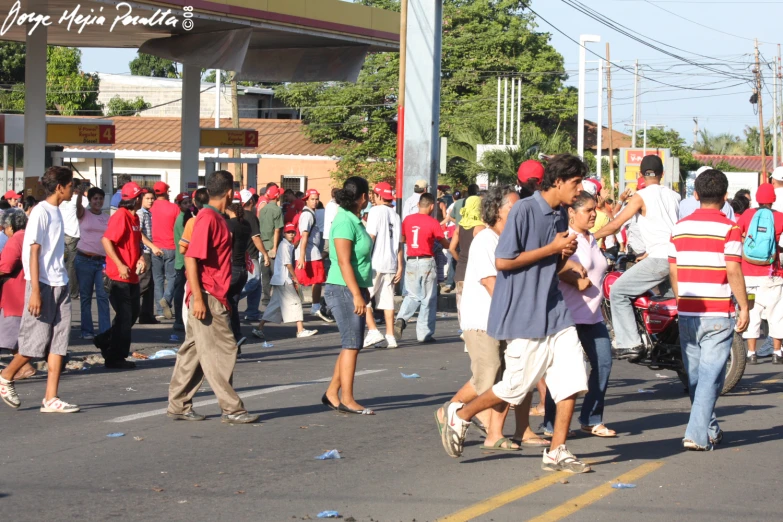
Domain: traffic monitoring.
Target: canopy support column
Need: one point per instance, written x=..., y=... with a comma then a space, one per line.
x=191, y=136
x=35, y=103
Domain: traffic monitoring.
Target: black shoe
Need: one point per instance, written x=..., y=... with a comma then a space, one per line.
x=102, y=341
x=120, y=365
x=399, y=327
x=752, y=359
x=150, y=320
x=632, y=354
x=777, y=359
x=189, y=416
x=326, y=402
x=428, y=340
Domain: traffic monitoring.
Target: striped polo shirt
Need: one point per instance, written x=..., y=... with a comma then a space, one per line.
x=700, y=246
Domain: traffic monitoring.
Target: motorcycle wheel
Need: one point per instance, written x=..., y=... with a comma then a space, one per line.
x=735, y=366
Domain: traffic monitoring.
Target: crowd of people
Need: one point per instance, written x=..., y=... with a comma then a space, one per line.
x=526, y=262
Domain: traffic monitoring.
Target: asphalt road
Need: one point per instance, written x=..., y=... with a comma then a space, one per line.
x=393, y=466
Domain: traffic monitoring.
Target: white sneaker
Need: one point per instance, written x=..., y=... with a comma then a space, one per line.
x=87, y=336
x=391, y=342
x=373, y=337
x=55, y=405
x=563, y=460
x=8, y=393
x=307, y=333
x=466, y=348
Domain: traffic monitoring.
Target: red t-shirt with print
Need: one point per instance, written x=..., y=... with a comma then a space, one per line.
x=124, y=231
x=420, y=232
x=211, y=246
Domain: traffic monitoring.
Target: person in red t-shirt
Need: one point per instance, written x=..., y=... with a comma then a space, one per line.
x=124, y=263
x=164, y=216
x=419, y=232
x=766, y=282
x=210, y=349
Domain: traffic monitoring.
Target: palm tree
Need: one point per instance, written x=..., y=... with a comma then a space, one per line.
x=462, y=150
x=722, y=144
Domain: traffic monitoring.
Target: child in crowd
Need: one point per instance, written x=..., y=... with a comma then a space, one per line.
x=285, y=305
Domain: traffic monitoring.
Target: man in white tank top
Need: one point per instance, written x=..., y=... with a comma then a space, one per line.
x=657, y=208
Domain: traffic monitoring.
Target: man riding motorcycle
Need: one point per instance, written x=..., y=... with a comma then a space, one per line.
x=658, y=208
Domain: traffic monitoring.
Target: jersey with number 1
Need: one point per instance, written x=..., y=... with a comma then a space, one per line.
x=420, y=232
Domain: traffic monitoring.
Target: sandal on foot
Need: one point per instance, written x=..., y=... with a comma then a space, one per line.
x=599, y=430
x=345, y=409
x=571, y=434
x=535, y=412
x=535, y=442
x=326, y=402
x=480, y=425
x=503, y=444
x=438, y=421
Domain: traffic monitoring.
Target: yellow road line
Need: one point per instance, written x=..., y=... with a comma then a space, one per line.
x=770, y=381
x=575, y=504
x=493, y=503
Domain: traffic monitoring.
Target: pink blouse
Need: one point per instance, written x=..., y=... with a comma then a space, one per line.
x=585, y=306
x=91, y=228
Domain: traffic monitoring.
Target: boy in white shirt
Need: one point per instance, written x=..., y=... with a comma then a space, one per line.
x=285, y=305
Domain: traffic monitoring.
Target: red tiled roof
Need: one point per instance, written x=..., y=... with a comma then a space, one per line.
x=279, y=137
x=619, y=140
x=745, y=163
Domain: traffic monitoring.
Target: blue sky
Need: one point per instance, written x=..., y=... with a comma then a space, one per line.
x=724, y=109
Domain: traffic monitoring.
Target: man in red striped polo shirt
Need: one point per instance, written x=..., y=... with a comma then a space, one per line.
x=705, y=257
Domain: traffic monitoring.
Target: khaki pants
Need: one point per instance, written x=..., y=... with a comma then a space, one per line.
x=209, y=351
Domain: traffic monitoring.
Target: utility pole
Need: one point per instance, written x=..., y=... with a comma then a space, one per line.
x=236, y=153
x=580, y=120
x=401, y=103
x=599, y=138
x=695, y=131
x=609, y=115
x=635, y=96
x=759, y=97
x=774, y=119
x=217, y=112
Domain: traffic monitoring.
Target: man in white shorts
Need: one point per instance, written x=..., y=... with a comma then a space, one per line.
x=383, y=225
x=529, y=313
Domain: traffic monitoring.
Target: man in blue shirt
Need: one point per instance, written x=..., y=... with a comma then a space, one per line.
x=529, y=313
x=122, y=179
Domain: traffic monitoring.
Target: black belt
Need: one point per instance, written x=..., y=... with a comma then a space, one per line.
x=419, y=257
x=91, y=256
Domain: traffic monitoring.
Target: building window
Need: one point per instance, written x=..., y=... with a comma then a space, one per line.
x=142, y=180
x=284, y=116
x=295, y=183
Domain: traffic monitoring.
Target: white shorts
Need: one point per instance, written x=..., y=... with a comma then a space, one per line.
x=382, y=291
x=558, y=359
x=284, y=306
x=768, y=306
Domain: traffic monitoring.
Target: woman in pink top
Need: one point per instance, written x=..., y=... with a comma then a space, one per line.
x=90, y=262
x=583, y=298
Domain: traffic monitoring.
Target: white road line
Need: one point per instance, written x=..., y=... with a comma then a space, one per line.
x=162, y=411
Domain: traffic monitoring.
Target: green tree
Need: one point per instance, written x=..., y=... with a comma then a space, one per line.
x=753, y=141
x=120, y=107
x=12, y=60
x=671, y=139
x=481, y=39
x=149, y=65
x=723, y=144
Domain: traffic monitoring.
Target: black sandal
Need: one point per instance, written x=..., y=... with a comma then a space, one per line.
x=345, y=409
x=326, y=402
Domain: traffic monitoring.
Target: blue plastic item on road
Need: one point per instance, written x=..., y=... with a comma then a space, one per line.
x=621, y=485
x=115, y=435
x=163, y=353
x=330, y=455
x=328, y=514
x=410, y=376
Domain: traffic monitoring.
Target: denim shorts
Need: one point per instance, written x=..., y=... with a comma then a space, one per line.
x=340, y=302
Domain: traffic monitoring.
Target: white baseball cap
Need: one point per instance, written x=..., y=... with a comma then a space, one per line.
x=589, y=187
x=705, y=168
x=777, y=174
x=245, y=195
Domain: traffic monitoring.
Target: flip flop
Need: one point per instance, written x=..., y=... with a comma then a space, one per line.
x=498, y=446
x=326, y=402
x=438, y=422
x=571, y=434
x=345, y=409
x=533, y=442
x=599, y=430
x=535, y=412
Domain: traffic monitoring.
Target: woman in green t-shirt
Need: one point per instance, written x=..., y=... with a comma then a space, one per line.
x=350, y=275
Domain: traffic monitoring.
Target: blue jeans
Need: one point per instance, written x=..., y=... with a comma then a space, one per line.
x=596, y=344
x=351, y=326
x=421, y=281
x=640, y=278
x=706, y=345
x=163, y=269
x=252, y=290
x=89, y=273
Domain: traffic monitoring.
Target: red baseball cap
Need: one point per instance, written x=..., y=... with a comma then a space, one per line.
x=311, y=192
x=272, y=192
x=765, y=194
x=530, y=169
x=384, y=190
x=160, y=188
x=289, y=227
x=252, y=190
x=182, y=196
x=237, y=196
x=598, y=186
x=11, y=195
x=640, y=183
x=130, y=191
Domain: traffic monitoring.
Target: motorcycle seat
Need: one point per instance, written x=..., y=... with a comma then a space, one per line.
x=662, y=299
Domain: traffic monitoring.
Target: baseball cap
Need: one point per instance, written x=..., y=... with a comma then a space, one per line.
x=181, y=197
x=160, y=188
x=640, y=183
x=589, y=187
x=651, y=163
x=703, y=169
x=130, y=190
x=252, y=191
x=765, y=195
x=422, y=184
x=11, y=195
x=237, y=197
x=245, y=195
x=290, y=227
x=384, y=190
x=777, y=175
x=530, y=169
x=272, y=192
x=311, y=192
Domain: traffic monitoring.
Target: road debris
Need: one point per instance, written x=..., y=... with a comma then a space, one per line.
x=115, y=435
x=621, y=485
x=330, y=455
x=410, y=376
x=328, y=514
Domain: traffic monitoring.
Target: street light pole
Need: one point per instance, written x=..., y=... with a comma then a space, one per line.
x=580, y=131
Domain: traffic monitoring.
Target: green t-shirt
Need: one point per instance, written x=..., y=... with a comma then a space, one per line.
x=347, y=226
x=179, y=228
x=269, y=219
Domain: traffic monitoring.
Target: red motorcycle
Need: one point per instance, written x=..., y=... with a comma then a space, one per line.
x=656, y=319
